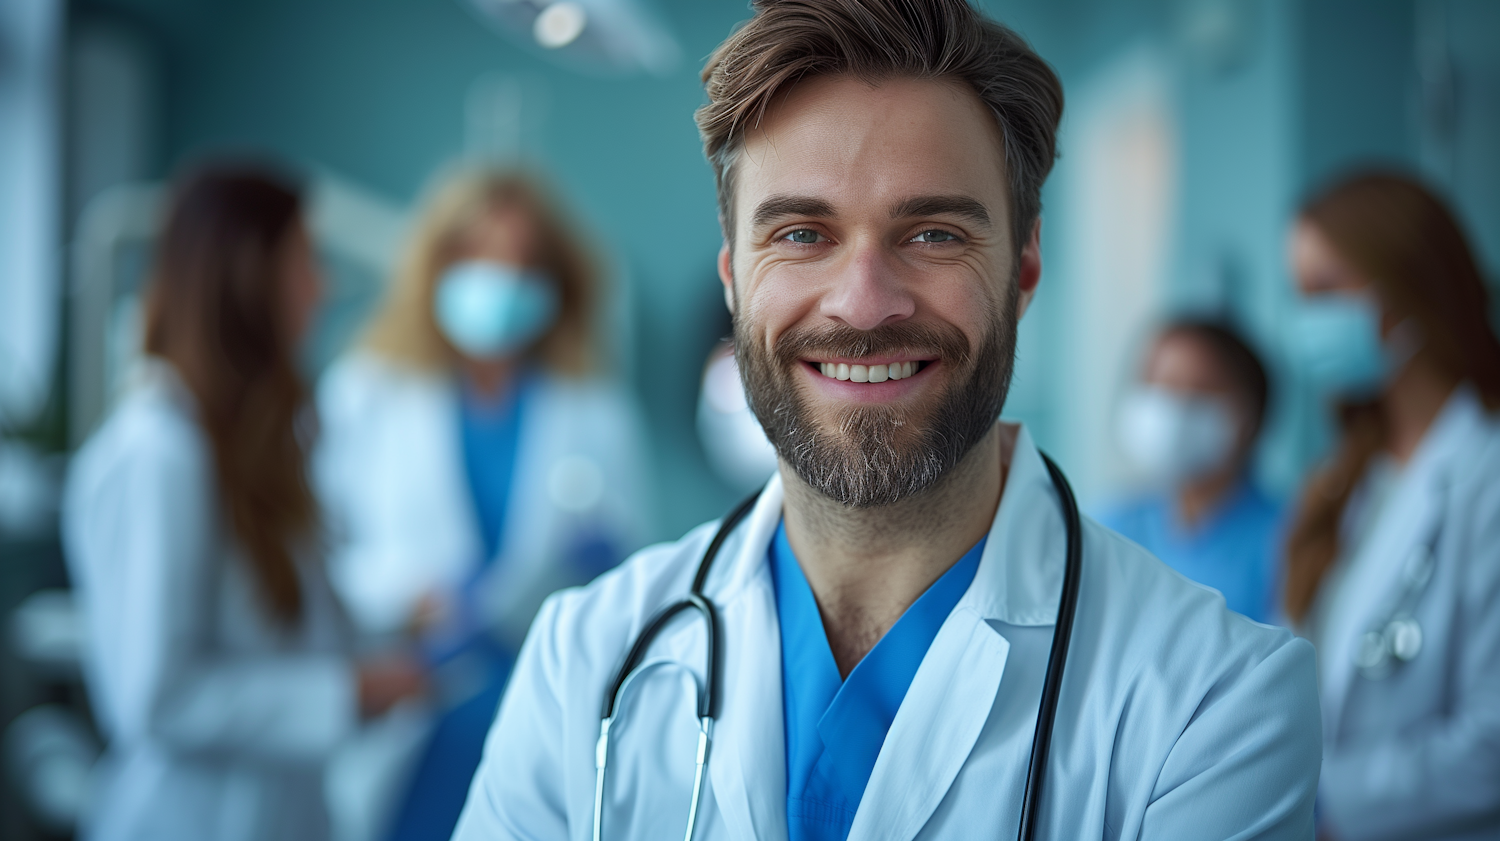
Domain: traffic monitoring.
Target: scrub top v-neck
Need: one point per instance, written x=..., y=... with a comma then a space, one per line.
x=835, y=727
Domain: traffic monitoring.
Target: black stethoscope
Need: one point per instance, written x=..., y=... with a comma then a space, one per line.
x=708, y=691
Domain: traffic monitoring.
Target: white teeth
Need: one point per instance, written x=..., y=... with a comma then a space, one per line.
x=868, y=373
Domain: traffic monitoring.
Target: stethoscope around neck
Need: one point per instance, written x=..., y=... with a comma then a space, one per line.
x=708, y=691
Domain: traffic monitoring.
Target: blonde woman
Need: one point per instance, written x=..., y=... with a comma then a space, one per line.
x=474, y=461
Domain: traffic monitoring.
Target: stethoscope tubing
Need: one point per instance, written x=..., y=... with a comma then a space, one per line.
x=708, y=692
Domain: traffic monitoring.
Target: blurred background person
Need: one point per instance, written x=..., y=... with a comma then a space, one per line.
x=1394, y=553
x=1190, y=426
x=733, y=441
x=476, y=461
x=216, y=654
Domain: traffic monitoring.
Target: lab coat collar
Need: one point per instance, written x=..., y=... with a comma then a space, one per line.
x=949, y=701
x=1020, y=573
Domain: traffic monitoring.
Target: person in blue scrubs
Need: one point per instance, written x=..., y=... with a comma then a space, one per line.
x=1190, y=426
x=477, y=457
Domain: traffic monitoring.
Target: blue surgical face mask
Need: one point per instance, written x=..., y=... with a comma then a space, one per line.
x=490, y=310
x=1335, y=341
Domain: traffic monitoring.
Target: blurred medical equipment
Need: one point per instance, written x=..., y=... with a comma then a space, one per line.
x=708, y=691
x=731, y=436
x=602, y=36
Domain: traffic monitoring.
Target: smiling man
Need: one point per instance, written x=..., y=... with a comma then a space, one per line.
x=883, y=616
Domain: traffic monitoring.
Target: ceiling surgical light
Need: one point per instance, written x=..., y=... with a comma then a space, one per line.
x=559, y=24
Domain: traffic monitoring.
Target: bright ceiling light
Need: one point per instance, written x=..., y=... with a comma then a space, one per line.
x=560, y=24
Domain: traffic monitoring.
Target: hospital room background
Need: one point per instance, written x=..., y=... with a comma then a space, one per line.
x=1192, y=131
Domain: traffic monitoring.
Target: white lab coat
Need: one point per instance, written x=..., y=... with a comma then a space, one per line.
x=218, y=718
x=1178, y=718
x=391, y=474
x=1416, y=755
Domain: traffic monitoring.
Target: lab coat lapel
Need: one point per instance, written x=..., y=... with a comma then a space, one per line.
x=934, y=730
x=953, y=694
x=747, y=763
x=1409, y=519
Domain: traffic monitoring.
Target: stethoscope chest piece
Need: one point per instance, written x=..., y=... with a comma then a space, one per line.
x=1399, y=639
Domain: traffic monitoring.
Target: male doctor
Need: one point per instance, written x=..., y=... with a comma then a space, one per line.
x=887, y=607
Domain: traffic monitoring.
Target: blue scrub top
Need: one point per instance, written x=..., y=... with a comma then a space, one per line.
x=835, y=727
x=490, y=432
x=1233, y=550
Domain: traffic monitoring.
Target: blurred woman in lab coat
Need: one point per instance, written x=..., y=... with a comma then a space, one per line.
x=216, y=654
x=1394, y=553
x=474, y=460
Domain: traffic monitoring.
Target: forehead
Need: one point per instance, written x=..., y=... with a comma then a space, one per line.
x=854, y=142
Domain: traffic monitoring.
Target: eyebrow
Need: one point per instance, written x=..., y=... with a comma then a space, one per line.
x=780, y=207
x=960, y=206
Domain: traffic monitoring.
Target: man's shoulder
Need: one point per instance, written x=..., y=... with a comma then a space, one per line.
x=1168, y=625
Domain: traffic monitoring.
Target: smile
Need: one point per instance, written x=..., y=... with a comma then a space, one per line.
x=869, y=373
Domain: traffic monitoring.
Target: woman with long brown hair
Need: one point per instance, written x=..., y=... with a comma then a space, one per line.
x=476, y=458
x=216, y=653
x=1394, y=553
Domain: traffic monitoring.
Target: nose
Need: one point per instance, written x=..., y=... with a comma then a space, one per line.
x=868, y=291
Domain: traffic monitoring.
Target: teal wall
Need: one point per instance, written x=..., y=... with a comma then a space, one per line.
x=376, y=91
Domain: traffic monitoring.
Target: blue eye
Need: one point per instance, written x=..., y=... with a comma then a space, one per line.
x=803, y=236
x=935, y=236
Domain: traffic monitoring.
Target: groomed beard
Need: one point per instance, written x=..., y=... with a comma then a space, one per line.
x=871, y=456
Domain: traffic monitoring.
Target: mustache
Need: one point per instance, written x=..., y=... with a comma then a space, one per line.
x=841, y=340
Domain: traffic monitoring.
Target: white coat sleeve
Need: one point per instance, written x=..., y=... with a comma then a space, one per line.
x=1445, y=775
x=1246, y=766
x=155, y=560
x=518, y=792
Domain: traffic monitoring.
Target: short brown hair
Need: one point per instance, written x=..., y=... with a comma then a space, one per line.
x=787, y=41
x=405, y=330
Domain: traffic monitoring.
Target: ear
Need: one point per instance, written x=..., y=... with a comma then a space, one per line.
x=1030, y=274
x=726, y=276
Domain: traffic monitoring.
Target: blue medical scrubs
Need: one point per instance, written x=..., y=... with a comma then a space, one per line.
x=490, y=432
x=835, y=727
x=1234, y=549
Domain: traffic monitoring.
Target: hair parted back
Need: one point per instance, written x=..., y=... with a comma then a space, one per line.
x=787, y=41
x=213, y=311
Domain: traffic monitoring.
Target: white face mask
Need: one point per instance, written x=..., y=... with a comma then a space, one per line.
x=732, y=438
x=489, y=310
x=1175, y=437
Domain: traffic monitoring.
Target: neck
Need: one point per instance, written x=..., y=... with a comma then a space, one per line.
x=867, y=566
x=1412, y=402
x=1199, y=497
x=488, y=377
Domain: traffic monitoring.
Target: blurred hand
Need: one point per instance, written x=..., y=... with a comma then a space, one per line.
x=384, y=682
x=431, y=611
